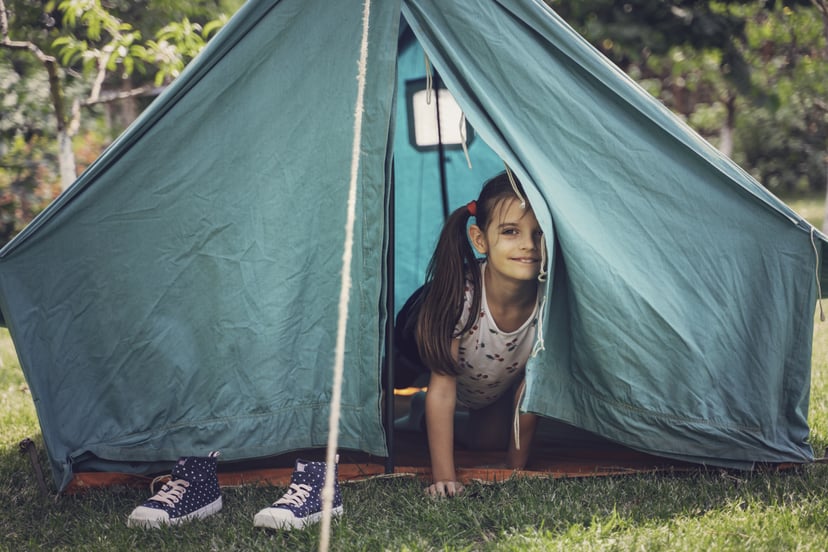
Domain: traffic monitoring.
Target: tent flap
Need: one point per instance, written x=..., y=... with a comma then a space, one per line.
x=682, y=304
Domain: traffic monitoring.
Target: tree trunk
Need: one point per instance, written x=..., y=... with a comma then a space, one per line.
x=822, y=6
x=726, y=140
x=66, y=159
x=726, y=132
x=825, y=216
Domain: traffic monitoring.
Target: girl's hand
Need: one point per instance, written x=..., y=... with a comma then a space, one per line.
x=445, y=488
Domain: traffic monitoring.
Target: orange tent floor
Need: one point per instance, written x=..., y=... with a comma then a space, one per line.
x=559, y=450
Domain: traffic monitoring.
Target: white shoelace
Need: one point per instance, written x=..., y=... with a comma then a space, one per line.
x=296, y=496
x=171, y=493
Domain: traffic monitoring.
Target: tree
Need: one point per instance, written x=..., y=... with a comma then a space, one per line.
x=685, y=52
x=822, y=102
x=783, y=141
x=63, y=62
x=629, y=32
x=104, y=44
x=747, y=75
x=50, y=64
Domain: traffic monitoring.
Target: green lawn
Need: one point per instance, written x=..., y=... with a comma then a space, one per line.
x=707, y=510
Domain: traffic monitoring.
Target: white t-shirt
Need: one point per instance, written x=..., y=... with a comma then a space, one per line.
x=490, y=360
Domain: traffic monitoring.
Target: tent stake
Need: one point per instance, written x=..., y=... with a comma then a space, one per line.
x=27, y=447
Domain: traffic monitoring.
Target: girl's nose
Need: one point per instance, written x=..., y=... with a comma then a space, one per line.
x=530, y=242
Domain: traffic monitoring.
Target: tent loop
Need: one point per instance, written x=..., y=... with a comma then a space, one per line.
x=816, y=273
x=543, y=274
x=463, y=137
x=516, y=417
x=515, y=186
x=539, y=344
x=429, y=80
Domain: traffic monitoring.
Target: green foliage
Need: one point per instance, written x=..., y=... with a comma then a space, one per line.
x=24, y=100
x=26, y=185
x=784, y=143
x=27, y=182
x=782, y=149
x=759, y=67
x=102, y=40
x=756, y=67
x=150, y=15
x=177, y=43
x=97, y=44
x=632, y=30
x=692, y=84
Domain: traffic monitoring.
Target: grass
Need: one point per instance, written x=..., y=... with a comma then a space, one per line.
x=707, y=510
x=809, y=207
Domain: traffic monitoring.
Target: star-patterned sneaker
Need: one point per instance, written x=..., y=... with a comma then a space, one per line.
x=192, y=492
x=301, y=505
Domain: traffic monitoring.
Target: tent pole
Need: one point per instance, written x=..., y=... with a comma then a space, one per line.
x=441, y=151
x=389, y=330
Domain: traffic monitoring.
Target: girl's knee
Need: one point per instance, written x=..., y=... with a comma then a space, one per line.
x=480, y=431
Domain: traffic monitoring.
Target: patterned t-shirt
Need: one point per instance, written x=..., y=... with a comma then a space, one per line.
x=490, y=360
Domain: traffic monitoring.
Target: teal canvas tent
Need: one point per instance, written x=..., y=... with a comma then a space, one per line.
x=180, y=296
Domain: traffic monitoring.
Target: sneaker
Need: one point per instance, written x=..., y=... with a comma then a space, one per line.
x=301, y=505
x=192, y=492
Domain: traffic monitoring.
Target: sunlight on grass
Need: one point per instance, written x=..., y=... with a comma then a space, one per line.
x=818, y=411
x=735, y=526
x=813, y=209
x=17, y=412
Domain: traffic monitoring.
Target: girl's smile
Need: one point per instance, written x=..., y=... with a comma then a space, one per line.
x=511, y=244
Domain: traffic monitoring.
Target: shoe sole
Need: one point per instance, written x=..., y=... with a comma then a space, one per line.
x=267, y=520
x=203, y=512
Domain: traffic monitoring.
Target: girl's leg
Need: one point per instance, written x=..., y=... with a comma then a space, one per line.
x=517, y=457
x=521, y=444
x=491, y=428
x=486, y=428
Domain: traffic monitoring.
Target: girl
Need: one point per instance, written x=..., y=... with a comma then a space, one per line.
x=475, y=328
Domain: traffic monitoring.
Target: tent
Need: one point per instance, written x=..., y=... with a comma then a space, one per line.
x=180, y=296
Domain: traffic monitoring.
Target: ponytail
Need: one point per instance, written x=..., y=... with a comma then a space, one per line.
x=453, y=264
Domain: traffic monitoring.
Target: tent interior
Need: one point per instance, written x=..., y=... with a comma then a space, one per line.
x=200, y=258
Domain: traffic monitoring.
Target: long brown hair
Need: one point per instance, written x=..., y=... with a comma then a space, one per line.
x=453, y=263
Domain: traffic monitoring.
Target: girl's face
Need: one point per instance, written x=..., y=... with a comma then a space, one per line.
x=511, y=241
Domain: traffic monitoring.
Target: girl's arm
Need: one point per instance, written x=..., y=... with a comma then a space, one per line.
x=441, y=400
